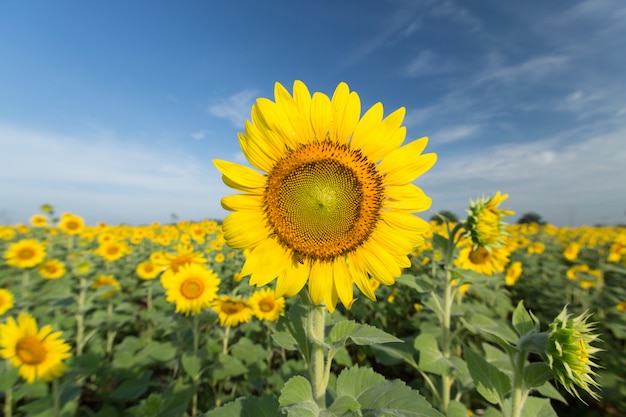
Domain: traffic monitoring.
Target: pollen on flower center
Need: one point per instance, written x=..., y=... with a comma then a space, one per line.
x=323, y=199
x=266, y=306
x=30, y=350
x=192, y=288
x=232, y=307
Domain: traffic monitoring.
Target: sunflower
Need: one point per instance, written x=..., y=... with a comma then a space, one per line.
x=147, y=270
x=266, y=306
x=171, y=262
x=25, y=253
x=39, y=220
x=6, y=301
x=334, y=202
x=71, y=224
x=107, y=281
x=52, y=269
x=192, y=288
x=232, y=311
x=113, y=250
x=513, y=273
x=219, y=258
x=483, y=260
x=38, y=353
x=485, y=223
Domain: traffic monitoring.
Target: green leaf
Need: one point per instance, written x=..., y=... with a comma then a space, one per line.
x=549, y=391
x=536, y=374
x=159, y=352
x=290, y=332
x=393, y=353
x=8, y=377
x=343, y=406
x=538, y=407
x=226, y=366
x=191, y=364
x=379, y=397
x=456, y=409
x=440, y=242
x=490, y=382
x=359, y=334
x=296, y=398
x=420, y=284
x=133, y=388
x=266, y=406
x=481, y=324
x=431, y=358
x=522, y=321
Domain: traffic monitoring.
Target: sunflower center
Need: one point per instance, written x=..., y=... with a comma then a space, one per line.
x=26, y=254
x=266, y=306
x=112, y=250
x=232, y=307
x=323, y=200
x=192, y=288
x=30, y=350
x=479, y=256
x=71, y=225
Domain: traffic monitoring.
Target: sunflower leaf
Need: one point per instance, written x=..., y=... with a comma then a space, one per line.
x=490, y=382
x=378, y=396
x=265, y=406
x=296, y=398
x=431, y=358
x=360, y=334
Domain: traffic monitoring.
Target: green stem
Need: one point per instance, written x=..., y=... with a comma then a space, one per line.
x=110, y=333
x=315, y=330
x=225, y=340
x=8, y=399
x=25, y=287
x=446, y=379
x=519, y=391
x=195, y=329
x=149, y=308
x=80, y=317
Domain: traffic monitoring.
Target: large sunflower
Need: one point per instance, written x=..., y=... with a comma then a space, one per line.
x=38, y=353
x=334, y=202
x=25, y=253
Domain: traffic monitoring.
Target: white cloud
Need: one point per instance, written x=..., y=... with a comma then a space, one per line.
x=455, y=133
x=198, y=135
x=111, y=180
x=236, y=108
x=564, y=180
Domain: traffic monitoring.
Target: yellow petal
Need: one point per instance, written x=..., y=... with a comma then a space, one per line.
x=383, y=137
x=277, y=120
x=391, y=240
x=245, y=202
x=256, y=154
x=370, y=120
x=379, y=264
x=346, y=110
x=343, y=281
x=407, y=197
x=320, y=281
x=292, y=278
x=405, y=164
x=302, y=96
x=359, y=274
x=240, y=177
x=263, y=263
x=321, y=115
x=299, y=121
x=242, y=231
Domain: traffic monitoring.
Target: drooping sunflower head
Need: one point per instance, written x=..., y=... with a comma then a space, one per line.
x=232, y=311
x=570, y=353
x=266, y=306
x=38, y=353
x=483, y=260
x=485, y=224
x=25, y=253
x=192, y=288
x=333, y=202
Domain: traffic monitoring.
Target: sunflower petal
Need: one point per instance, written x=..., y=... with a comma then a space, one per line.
x=321, y=115
x=241, y=229
x=240, y=177
x=343, y=281
x=407, y=197
x=405, y=164
x=346, y=110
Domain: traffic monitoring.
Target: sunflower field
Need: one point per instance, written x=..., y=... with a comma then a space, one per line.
x=120, y=340
x=321, y=294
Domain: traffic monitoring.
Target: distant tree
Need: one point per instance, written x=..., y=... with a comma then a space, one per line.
x=444, y=213
x=530, y=218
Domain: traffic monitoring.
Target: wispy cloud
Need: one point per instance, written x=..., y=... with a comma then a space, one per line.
x=427, y=63
x=113, y=180
x=577, y=181
x=235, y=108
x=456, y=133
x=198, y=135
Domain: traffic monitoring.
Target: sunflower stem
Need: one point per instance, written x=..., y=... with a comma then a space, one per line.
x=319, y=378
x=25, y=285
x=110, y=333
x=195, y=329
x=225, y=340
x=149, y=309
x=8, y=399
x=80, y=317
x=56, y=400
x=446, y=379
x=519, y=392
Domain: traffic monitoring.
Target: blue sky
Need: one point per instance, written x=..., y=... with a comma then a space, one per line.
x=114, y=110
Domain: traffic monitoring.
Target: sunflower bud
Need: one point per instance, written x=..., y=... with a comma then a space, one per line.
x=484, y=221
x=569, y=353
